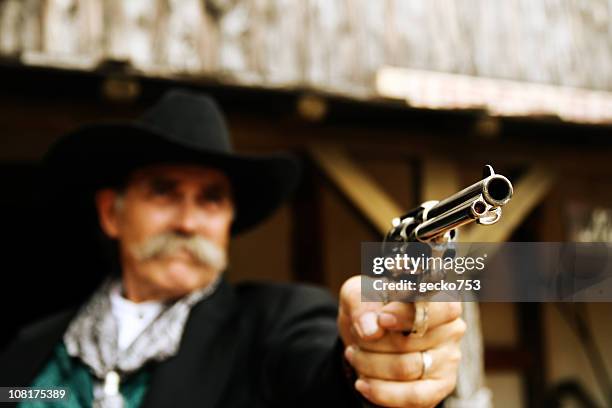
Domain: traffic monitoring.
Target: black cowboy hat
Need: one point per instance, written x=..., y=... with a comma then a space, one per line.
x=183, y=127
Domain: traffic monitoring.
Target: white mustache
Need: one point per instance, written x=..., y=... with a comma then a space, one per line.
x=203, y=250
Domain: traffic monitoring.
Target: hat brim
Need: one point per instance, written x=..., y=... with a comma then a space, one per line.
x=102, y=155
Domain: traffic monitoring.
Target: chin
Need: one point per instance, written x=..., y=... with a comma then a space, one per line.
x=182, y=279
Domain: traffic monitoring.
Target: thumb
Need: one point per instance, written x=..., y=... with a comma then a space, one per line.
x=357, y=316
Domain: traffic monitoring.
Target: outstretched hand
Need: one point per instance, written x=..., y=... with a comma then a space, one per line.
x=396, y=369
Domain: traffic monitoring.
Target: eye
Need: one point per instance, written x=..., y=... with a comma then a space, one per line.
x=215, y=195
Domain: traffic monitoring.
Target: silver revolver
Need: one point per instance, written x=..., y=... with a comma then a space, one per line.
x=437, y=221
x=431, y=228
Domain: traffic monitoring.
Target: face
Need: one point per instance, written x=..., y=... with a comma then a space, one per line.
x=172, y=223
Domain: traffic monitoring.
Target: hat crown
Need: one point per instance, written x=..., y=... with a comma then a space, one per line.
x=190, y=118
x=183, y=127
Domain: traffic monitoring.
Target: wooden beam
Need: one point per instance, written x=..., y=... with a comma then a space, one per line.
x=359, y=187
x=439, y=179
x=528, y=193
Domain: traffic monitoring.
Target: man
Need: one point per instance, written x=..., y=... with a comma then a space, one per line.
x=168, y=330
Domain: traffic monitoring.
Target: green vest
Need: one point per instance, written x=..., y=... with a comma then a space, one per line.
x=65, y=371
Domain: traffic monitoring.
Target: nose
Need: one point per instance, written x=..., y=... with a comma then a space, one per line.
x=188, y=218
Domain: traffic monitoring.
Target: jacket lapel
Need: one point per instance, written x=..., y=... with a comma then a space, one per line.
x=26, y=356
x=199, y=373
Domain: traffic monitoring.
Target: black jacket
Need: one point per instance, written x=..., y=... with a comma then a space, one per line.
x=249, y=345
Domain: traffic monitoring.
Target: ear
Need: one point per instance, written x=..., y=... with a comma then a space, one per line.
x=107, y=212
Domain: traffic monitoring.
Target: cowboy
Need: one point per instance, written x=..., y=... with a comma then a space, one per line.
x=167, y=329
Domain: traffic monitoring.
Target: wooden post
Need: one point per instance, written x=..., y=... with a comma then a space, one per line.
x=307, y=228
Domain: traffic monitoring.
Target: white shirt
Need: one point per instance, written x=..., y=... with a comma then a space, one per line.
x=132, y=318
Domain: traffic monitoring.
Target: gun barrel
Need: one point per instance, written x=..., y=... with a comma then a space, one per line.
x=455, y=218
x=431, y=221
x=495, y=189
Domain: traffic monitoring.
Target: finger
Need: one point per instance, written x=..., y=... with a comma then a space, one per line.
x=400, y=316
x=347, y=330
x=396, y=342
x=413, y=394
x=402, y=366
x=362, y=316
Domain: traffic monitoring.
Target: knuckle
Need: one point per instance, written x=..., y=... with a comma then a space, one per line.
x=353, y=281
x=450, y=386
x=462, y=326
x=454, y=310
x=376, y=394
x=361, y=364
x=404, y=369
x=455, y=355
x=399, y=370
x=443, y=390
x=407, y=397
x=421, y=399
x=350, y=285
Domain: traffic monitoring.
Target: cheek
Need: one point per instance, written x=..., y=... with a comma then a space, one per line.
x=143, y=222
x=219, y=228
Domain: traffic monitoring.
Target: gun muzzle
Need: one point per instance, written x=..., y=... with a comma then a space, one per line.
x=495, y=189
x=481, y=202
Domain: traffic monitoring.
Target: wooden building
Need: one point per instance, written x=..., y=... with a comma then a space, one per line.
x=307, y=76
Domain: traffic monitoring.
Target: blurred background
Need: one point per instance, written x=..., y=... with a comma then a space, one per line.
x=388, y=103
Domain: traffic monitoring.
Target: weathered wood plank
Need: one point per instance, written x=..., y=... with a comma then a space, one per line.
x=335, y=45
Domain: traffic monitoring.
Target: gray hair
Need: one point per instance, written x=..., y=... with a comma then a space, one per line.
x=203, y=250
